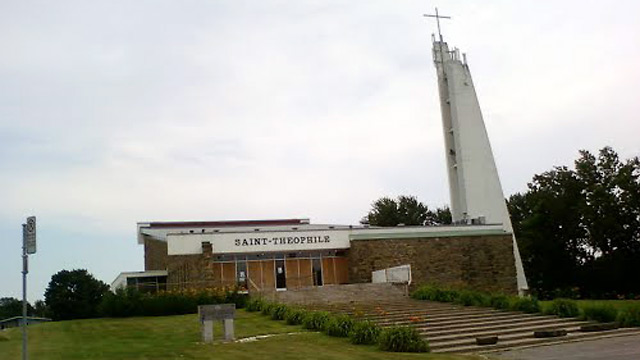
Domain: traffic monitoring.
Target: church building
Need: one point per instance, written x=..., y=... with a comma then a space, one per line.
x=285, y=254
x=479, y=251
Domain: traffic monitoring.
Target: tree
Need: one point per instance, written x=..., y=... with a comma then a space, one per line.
x=74, y=294
x=10, y=307
x=405, y=210
x=40, y=309
x=580, y=228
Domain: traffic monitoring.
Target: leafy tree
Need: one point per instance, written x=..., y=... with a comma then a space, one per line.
x=441, y=216
x=580, y=228
x=10, y=307
x=405, y=210
x=74, y=294
x=40, y=309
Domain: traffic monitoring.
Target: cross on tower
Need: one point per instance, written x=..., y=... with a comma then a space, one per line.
x=438, y=17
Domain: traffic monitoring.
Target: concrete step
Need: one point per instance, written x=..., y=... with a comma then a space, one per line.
x=394, y=310
x=494, y=326
x=504, y=344
x=452, y=318
x=433, y=313
x=520, y=329
x=471, y=340
x=523, y=337
x=452, y=328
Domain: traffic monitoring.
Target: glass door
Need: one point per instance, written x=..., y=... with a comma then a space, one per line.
x=317, y=272
x=281, y=278
x=241, y=275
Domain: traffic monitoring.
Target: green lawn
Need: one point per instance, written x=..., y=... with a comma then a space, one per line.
x=177, y=337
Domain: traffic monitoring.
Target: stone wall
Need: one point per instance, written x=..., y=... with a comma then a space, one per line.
x=474, y=262
x=337, y=294
x=191, y=271
x=155, y=254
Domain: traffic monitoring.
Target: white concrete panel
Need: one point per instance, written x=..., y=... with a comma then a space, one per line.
x=397, y=275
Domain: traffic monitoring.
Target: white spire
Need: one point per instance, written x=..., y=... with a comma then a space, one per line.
x=474, y=185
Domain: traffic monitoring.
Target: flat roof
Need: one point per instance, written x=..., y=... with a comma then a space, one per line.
x=222, y=223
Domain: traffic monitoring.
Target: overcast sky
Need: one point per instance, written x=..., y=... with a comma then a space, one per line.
x=114, y=112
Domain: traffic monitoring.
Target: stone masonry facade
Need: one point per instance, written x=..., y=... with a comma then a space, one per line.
x=474, y=262
x=155, y=254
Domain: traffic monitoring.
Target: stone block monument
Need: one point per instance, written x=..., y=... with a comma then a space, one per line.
x=219, y=312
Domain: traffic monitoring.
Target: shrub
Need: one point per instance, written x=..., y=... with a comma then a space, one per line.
x=234, y=297
x=435, y=293
x=266, y=308
x=599, y=312
x=472, y=298
x=402, y=339
x=563, y=308
x=630, y=316
x=316, y=320
x=294, y=316
x=526, y=304
x=339, y=326
x=278, y=311
x=499, y=301
x=364, y=332
x=131, y=302
x=254, y=304
x=123, y=303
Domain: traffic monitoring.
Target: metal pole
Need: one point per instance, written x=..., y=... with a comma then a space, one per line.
x=25, y=270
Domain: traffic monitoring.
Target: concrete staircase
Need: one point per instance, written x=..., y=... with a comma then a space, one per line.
x=452, y=328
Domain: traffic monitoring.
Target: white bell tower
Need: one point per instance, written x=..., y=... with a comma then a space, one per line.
x=474, y=185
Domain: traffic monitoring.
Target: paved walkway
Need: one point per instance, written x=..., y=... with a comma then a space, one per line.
x=618, y=348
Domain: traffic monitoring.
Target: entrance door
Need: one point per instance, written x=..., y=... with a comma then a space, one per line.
x=317, y=272
x=281, y=278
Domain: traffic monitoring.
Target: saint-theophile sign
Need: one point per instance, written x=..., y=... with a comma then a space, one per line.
x=282, y=240
x=228, y=243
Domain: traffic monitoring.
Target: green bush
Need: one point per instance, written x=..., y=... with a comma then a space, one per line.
x=254, y=304
x=630, y=316
x=563, y=308
x=364, y=332
x=599, y=312
x=294, y=316
x=472, y=298
x=526, y=304
x=316, y=320
x=131, y=302
x=435, y=293
x=402, y=339
x=234, y=297
x=499, y=301
x=339, y=326
x=266, y=308
x=278, y=311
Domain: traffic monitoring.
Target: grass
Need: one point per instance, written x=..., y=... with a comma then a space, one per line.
x=178, y=337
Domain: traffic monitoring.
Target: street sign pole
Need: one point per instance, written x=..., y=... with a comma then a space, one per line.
x=28, y=247
x=25, y=270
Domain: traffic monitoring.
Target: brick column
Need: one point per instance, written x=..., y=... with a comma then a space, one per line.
x=206, y=263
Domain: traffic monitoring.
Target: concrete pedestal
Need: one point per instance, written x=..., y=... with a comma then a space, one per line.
x=207, y=331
